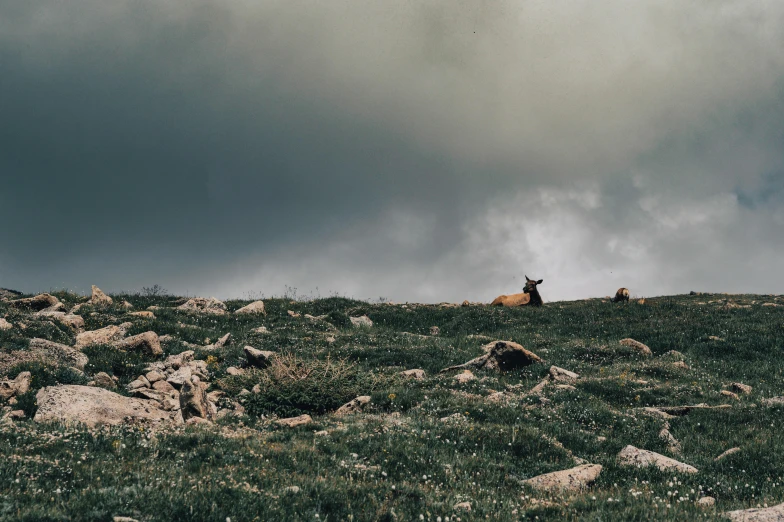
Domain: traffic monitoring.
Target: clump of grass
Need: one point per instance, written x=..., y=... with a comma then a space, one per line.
x=292, y=385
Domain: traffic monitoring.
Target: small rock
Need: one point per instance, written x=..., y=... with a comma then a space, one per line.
x=179, y=360
x=561, y=375
x=293, y=422
x=771, y=514
x=680, y=364
x=631, y=456
x=464, y=377
x=674, y=354
x=231, y=370
x=124, y=519
x=193, y=400
x=501, y=356
x=126, y=305
x=292, y=313
x=146, y=342
x=145, y=314
x=155, y=376
x=464, y=506
x=573, y=479
x=16, y=414
x=773, y=401
x=414, y=374
x=202, y=305
x=641, y=348
x=741, y=388
x=179, y=377
x=601, y=438
x=104, y=380
x=220, y=343
x=361, y=322
x=258, y=358
x=137, y=385
x=292, y=489
x=261, y=330
x=256, y=307
x=730, y=394
x=164, y=387
x=5, y=325
x=17, y=386
x=672, y=443
x=706, y=502
x=435, y=330
x=354, y=406
x=565, y=387
x=714, y=338
x=727, y=453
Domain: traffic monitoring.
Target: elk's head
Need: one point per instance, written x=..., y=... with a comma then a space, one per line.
x=530, y=285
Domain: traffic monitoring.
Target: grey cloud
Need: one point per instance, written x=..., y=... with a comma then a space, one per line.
x=363, y=146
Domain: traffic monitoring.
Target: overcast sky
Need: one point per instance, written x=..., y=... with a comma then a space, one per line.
x=428, y=151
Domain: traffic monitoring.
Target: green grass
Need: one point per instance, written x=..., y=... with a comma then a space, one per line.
x=400, y=460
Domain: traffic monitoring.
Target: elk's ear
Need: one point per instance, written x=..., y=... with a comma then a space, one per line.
x=527, y=278
x=539, y=282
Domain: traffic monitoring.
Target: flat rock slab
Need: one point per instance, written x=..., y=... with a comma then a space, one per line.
x=93, y=406
x=771, y=514
x=631, y=456
x=573, y=479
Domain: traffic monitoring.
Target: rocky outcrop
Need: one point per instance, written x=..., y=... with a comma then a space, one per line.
x=60, y=354
x=256, y=307
x=146, y=342
x=770, y=514
x=631, y=456
x=203, y=305
x=500, y=356
x=37, y=303
x=354, y=406
x=257, y=358
x=99, y=299
x=573, y=479
x=107, y=335
x=72, y=404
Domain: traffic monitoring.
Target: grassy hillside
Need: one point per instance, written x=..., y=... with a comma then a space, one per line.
x=422, y=446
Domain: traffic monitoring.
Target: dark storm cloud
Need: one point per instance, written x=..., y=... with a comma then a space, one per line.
x=422, y=151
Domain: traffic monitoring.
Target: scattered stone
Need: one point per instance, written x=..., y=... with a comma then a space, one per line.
x=435, y=330
x=292, y=313
x=203, y=305
x=637, y=345
x=464, y=506
x=17, y=386
x=58, y=353
x=464, y=377
x=354, y=405
x=193, y=400
x=138, y=384
x=124, y=519
x=672, y=443
x=5, y=325
x=292, y=489
x=560, y=375
x=361, y=322
x=730, y=394
x=714, y=338
x=727, y=453
x=770, y=304
x=16, y=415
x=145, y=314
x=706, y=502
x=536, y=390
x=741, y=388
x=293, y=422
x=500, y=356
x=413, y=374
x=261, y=330
x=146, y=342
x=631, y=456
x=232, y=370
x=601, y=438
x=155, y=376
x=180, y=376
x=256, y=307
x=771, y=514
x=165, y=388
x=92, y=406
x=220, y=343
x=258, y=358
x=107, y=335
x=177, y=361
x=99, y=298
x=573, y=479
x=565, y=387
x=37, y=303
x=104, y=380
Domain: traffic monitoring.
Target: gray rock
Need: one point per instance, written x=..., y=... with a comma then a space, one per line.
x=293, y=422
x=354, y=406
x=146, y=342
x=631, y=456
x=573, y=479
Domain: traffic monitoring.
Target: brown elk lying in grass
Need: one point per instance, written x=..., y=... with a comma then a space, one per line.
x=621, y=295
x=529, y=297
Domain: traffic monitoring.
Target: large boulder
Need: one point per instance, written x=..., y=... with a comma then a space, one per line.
x=72, y=404
x=203, y=305
x=100, y=299
x=500, y=356
x=573, y=479
x=107, y=335
x=256, y=307
x=59, y=354
x=37, y=303
x=631, y=456
x=146, y=342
